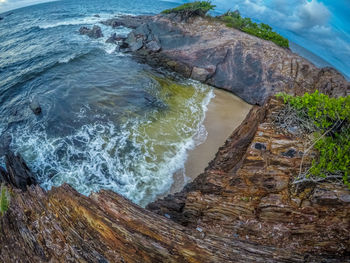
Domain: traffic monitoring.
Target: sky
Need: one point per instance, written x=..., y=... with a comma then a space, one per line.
x=6, y=5
x=321, y=26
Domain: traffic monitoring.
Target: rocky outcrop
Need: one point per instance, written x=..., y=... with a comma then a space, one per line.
x=114, y=38
x=35, y=106
x=239, y=210
x=247, y=192
x=127, y=21
x=64, y=226
x=95, y=32
x=208, y=51
x=243, y=208
x=17, y=172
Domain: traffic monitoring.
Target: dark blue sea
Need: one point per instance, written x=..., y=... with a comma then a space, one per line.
x=107, y=121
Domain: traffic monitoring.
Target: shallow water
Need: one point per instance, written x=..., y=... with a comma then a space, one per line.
x=108, y=122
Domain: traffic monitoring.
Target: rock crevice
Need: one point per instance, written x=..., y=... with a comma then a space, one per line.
x=242, y=208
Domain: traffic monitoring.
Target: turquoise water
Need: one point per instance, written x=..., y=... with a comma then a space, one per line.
x=108, y=122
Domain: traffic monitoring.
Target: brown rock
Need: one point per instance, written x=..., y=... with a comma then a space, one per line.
x=250, y=67
x=246, y=191
x=64, y=226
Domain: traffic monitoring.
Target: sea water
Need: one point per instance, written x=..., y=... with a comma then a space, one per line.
x=107, y=121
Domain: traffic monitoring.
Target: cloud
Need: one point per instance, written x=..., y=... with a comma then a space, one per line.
x=309, y=15
x=292, y=14
x=313, y=24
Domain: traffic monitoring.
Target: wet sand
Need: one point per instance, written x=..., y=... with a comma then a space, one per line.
x=225, y=113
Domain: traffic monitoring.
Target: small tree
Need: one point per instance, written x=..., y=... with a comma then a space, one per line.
x=197, y=8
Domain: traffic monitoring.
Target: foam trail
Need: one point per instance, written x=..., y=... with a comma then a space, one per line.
x=136, y=159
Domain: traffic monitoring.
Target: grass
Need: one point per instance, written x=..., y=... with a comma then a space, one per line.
x=4, y=200
x=330, y=118
x=264, y=31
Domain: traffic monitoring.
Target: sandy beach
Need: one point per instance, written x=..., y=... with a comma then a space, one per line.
x=225, y=113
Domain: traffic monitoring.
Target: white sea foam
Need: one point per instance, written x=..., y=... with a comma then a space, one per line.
x=107, y=32
x=125, y=159
x=88, y=20
x=67, y=59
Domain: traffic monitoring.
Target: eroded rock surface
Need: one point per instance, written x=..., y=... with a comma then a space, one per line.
x=17, y=172
x=243, y=208
x=64, y=226
x=208, y=51
x=246, y=192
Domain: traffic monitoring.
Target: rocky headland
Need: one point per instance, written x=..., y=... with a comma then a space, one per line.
x=243, y=208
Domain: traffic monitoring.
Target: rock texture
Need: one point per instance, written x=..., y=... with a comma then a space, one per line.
x=127, y=21
x=246, y=192
x=35, y=106
x=64, y=226
x=114, y=38
x=243, y=208
x=240, y=210
x=208, y=51
x=17, y=172
x=95, y=32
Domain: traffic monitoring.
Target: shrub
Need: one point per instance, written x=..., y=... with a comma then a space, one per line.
x=232, y=19
x=197, y=8
x=264, y=31
x=331, y=118
x=4, y=200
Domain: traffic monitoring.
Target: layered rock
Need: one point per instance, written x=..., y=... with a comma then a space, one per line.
x=243, y=208
x=64, y=226
x=247, y=192
x=208, y=51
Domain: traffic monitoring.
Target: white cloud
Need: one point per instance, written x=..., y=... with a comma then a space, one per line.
x=309, y=20
x=309, y=15
x=291, y=14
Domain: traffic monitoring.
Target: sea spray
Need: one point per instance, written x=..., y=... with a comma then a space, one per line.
x=136, y=158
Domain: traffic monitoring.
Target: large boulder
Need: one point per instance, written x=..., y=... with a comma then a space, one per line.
x=114, y=38
x=249, y=67
x=35, y=106
x=17, y=173
x=95, y=32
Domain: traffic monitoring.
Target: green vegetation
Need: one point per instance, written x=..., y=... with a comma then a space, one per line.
x=232, y=19
x=4, y=200
x=264, y=31
x=331, y=119
x=197, y=8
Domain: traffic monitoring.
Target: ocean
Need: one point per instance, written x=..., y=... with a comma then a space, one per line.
x=107, y=122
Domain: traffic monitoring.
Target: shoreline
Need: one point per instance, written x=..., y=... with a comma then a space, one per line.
x=225, y=113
